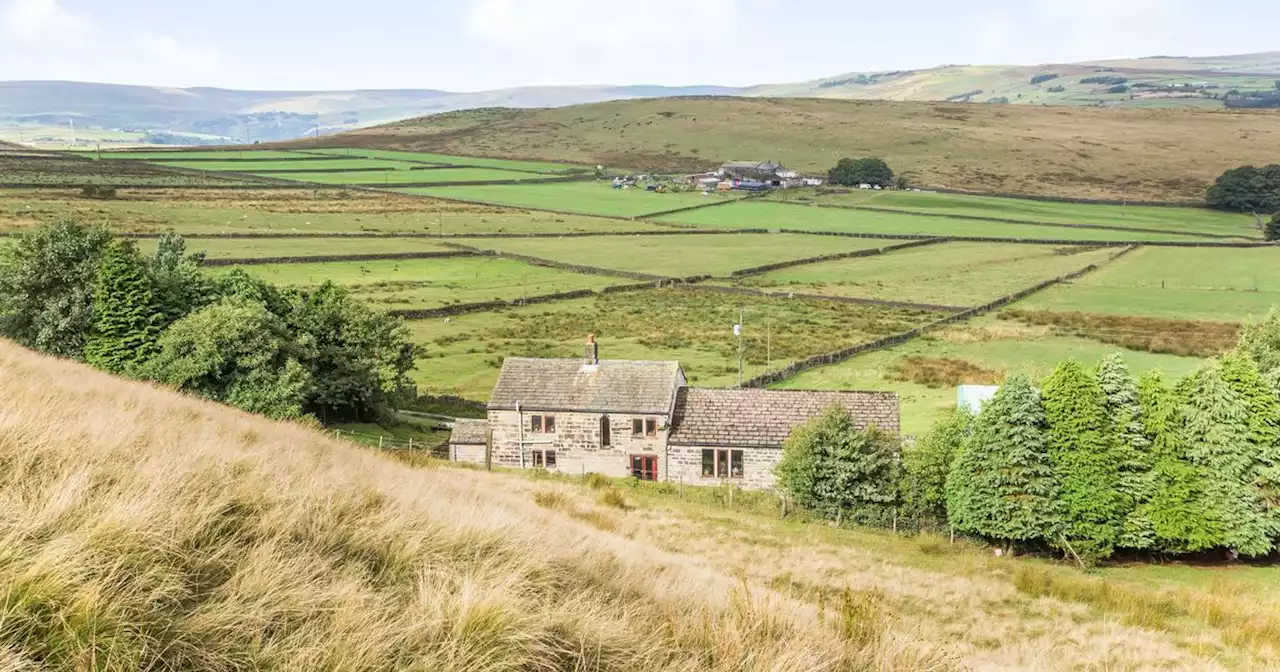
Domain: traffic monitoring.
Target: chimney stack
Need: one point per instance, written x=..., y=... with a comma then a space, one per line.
x=593, y=351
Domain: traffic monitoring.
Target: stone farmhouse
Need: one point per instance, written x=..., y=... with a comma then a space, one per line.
x=641, y=419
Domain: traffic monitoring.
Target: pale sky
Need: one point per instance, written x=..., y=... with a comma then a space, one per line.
x=470, y=45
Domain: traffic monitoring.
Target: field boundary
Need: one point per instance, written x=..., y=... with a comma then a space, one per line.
x=437, y=164
x=484, y=306
x=250, y=235
x=844, y=354
x=329, y=258
x=757, y=270
x=1045, y=241
x=700, y=206
x=551, y=263
x=1006, y=220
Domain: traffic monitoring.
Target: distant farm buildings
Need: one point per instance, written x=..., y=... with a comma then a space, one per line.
x=750, y=176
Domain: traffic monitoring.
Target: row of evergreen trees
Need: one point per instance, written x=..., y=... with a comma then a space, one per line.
x=74, y=291
x=1094, y=461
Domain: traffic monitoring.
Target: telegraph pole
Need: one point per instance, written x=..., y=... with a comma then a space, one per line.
x=742, y=317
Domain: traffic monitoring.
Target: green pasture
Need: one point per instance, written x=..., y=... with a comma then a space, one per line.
x=256, y=248
x=284, y=211
x=1219, y=284
x=431, y=283
x=195, y=155
x=788, y=216
x=680, y=255
x=445, y=159
x=1157, y=218
x=264, y=166
x=952, y=274
x=118, y=179
x=374, y=179
x=993, y=344
x=591, y=198
x=464, y=353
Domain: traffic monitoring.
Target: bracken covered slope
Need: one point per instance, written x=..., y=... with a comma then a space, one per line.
x=1122, y=154
x=141, y=530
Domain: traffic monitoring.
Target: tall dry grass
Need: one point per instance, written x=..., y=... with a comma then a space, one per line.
x=141, y=530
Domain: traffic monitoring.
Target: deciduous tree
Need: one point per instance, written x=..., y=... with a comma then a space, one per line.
x=833, y=467
x=869, y=170
x=46, y=287
x=925, y=466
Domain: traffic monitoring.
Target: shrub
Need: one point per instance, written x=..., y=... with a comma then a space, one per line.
x=1038, y=79
x=100, y=192
x=925, y=466
x=612, y=497
x=1272, y=228
x=597, y=481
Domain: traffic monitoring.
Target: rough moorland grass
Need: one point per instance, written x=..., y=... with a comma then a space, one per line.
x=592, y=198
x=394, y=177
x=942, y=372
x=687, y=325
x=288, y=211
x=1080, y=152
x=445, y=159
x=681, y=256
x=1186, y=338
x=1001, y=346
x=953, y=274
x=1222, y=285
x=227, y=248
x=266, y=546
x=757, y=214
x=1190, y=220
x=431, y=283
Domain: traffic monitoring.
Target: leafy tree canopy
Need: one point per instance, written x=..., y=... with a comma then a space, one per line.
x=853, y=172
x=831, y=466
x=1247, y=189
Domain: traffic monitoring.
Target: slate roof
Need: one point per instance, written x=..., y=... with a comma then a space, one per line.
x=567, y=385
x=469, y=432
x=765, y=418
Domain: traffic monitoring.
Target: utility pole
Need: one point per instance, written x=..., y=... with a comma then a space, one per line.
x=737, y=330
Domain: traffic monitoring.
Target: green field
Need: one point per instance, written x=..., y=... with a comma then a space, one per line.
x=193, y=155
x=592, y=198
x=444, y=159
x=308, y=165
x=1000, y=346
x=951, y=274
x=254, y=248
x=431, y=283
x=690, y=326
x=796, y=217
x=286, y=211
x=1225, y=285
x=411, y=176
x=1187, y=220
x=681, y=255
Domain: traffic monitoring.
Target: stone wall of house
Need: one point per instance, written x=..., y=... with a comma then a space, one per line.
x=685, y=466
x=577, y=442
x=468, y=453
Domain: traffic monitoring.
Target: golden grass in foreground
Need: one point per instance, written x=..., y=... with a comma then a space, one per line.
x=143, y=530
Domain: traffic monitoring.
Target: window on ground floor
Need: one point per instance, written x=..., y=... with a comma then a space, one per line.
x=644, y=467
x=544, y=459
x=606, y=432
x=722, y=463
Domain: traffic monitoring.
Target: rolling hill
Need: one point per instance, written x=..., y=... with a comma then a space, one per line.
x=1119, y=154
x=62, y=113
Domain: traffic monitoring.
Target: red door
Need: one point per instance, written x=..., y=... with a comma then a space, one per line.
x=644, y=467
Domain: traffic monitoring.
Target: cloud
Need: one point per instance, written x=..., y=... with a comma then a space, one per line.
x=35, y=21
x=43, y=39
x=590, y=28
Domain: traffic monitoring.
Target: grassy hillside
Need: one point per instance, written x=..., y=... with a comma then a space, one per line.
x=1080, y=152
x=267, y=546
x=255, y=545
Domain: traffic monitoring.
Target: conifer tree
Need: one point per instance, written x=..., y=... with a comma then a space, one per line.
x=1084, y=456
x=126, y=315
x=1178, y=511
x=1133, y=446
x=1001, y=485
x=1219, y=444
x=926, y=463
x=1263, y=409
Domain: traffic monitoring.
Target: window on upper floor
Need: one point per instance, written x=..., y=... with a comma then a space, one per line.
x=637, y=427
x=542, y=424
x=651, y=427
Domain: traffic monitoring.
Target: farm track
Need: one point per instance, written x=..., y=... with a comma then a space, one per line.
x=1004, y=220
